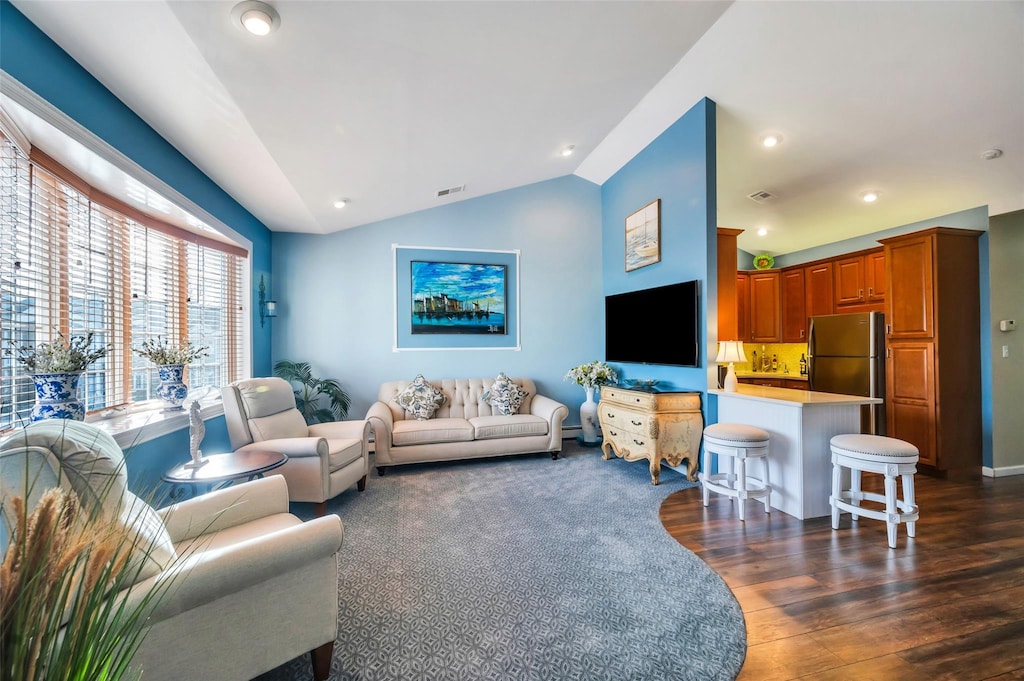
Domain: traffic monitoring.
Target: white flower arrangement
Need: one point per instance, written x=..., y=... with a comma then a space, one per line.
x=592, y=374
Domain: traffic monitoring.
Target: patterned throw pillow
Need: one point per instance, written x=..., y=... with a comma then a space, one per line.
x=505, y=395
x=420, y=399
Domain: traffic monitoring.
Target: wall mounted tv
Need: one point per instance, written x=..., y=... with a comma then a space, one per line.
x=654, y=326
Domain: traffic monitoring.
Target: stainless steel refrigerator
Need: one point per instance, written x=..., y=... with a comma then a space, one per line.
x=846, y=355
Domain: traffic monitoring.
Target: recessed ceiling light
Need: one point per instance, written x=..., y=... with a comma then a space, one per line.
x=568, y=150
x=256, y=17
x=772, y=139
x=762, y=231
x=869, y=196
x=340, y=203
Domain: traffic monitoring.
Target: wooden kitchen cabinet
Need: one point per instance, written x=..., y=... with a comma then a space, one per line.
x=742, y=307
x=860, y=281
x=933, y=347
x=819, y=285
x=764, y=307
x=793, y=305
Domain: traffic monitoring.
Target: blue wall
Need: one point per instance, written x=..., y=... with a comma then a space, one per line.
x=336, y=292
x=679, y=168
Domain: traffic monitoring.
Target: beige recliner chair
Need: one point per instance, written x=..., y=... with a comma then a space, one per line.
x=251, y=586
x=324, y=459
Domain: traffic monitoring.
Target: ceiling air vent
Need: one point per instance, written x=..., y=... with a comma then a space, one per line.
x=761, y=196
x=450, y=190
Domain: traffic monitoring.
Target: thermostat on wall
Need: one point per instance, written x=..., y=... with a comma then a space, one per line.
x=1008, y=325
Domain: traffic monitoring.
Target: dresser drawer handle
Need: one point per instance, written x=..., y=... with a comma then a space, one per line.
x=609, y=415
x=636, y=423
x=612, y=433
x=638, y=442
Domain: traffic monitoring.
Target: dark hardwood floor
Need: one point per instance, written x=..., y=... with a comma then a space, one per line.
x=824, y=605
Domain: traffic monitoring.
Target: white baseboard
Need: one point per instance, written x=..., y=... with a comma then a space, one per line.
x=1002, y=472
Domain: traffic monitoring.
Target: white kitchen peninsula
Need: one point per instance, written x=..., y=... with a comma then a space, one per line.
x=801, y=423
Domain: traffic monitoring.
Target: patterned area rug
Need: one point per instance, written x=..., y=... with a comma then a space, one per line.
x=524, y=568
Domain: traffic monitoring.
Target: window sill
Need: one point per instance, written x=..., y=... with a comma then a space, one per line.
x=145, y=421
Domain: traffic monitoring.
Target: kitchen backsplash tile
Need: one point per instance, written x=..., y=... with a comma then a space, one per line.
x=788, y=355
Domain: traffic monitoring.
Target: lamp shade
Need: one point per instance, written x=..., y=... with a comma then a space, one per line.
x=271, y=306
x=730, y=351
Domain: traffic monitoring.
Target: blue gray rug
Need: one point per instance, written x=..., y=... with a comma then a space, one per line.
x=524, y=568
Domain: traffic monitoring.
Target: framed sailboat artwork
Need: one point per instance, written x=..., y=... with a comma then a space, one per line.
x=643, y=236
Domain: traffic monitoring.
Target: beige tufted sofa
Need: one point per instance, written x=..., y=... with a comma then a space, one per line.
x=465, y=426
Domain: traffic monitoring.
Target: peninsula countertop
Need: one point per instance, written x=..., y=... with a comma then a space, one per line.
x=800, y=398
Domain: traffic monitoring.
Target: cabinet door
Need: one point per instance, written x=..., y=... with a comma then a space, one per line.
x=910, y=390
x=794, y=306
x=910, y=288
x=742, y=308
x=875, y=276
x=849, y=281
x=818, y=280
x=764, y=307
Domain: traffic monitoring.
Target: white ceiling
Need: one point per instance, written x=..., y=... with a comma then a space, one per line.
x=384, y=103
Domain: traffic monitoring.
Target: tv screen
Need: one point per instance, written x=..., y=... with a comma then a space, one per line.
x=654, y=326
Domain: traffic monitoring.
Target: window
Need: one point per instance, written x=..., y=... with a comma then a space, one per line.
x=74, y=260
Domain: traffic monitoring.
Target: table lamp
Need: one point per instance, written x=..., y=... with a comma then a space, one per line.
x=730, y=351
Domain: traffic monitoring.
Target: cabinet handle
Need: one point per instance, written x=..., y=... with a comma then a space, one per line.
x=888, y=329
x=801, y=333
x=871, y=291
x=638, y=443
x=636, y=423
x=612, y=433
x=610, y=415
x=888, y=352
x=860, y=293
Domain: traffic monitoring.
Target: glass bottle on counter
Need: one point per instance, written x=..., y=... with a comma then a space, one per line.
x=803, y=365
x=753, y=361
x=775, y=363
x=766, y=364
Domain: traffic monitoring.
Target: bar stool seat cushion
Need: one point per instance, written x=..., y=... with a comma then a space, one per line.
x=735, y=432
x=876, y=448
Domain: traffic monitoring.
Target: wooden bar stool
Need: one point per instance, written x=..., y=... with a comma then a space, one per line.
x=875, y=454
x=739, y=442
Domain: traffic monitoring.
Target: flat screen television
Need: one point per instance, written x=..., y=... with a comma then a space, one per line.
x=654, y=326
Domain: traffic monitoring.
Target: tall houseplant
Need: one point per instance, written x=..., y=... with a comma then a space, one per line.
x=312, y=393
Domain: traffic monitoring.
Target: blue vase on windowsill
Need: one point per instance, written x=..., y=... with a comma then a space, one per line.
x=57, y=397
x=172, y=390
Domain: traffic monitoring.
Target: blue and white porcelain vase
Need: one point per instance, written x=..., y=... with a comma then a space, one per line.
x=588, y=417
x=57, y=397
x=172, y=390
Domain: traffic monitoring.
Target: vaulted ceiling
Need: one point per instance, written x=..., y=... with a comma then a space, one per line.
x=385, y=103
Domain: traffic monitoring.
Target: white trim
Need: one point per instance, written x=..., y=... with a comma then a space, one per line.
x=518, y=347
x=145, y=421
x=76, y=131
x=1001, y=472
x=14, y=133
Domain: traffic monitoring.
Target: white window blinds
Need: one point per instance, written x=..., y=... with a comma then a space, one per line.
x=75, y=265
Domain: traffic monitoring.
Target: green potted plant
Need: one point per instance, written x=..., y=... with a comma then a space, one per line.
x=312, y=391
x=56, y=367
x=170, y=359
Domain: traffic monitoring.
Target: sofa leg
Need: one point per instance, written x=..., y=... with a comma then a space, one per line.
x=381, y=470
x=361, y=485
x=554, y=456
x=321, y=658
x=320, y=510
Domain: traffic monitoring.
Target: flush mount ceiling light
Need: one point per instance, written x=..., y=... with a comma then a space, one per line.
x=568, y=150
x=256, y=17
x=340, y=203
x=772, y=139
x=869, y=196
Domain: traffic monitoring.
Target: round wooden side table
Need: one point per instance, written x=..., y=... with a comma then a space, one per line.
x=221, y=470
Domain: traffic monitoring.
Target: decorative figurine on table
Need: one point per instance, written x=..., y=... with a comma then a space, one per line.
x=196, y=431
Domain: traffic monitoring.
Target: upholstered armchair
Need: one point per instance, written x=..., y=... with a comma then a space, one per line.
x=253, y=586
x=324, y=459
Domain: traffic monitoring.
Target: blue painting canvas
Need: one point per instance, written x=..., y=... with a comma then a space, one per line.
x=458, y=298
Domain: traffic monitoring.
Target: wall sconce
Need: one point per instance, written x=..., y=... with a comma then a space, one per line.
x=268, y=308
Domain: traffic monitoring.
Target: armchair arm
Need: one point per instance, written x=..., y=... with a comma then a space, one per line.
x=293, y=447
x=358, y=430
x=225, y=508
x=381, y=421
x=205, y=576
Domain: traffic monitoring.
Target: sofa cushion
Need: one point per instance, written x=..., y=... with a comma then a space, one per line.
x=516, y=425
x=420, y=399
x=432, y=431
x=343, y=451
x=505, y=395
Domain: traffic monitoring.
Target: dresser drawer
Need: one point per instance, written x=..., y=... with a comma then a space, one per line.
x=625, y=420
